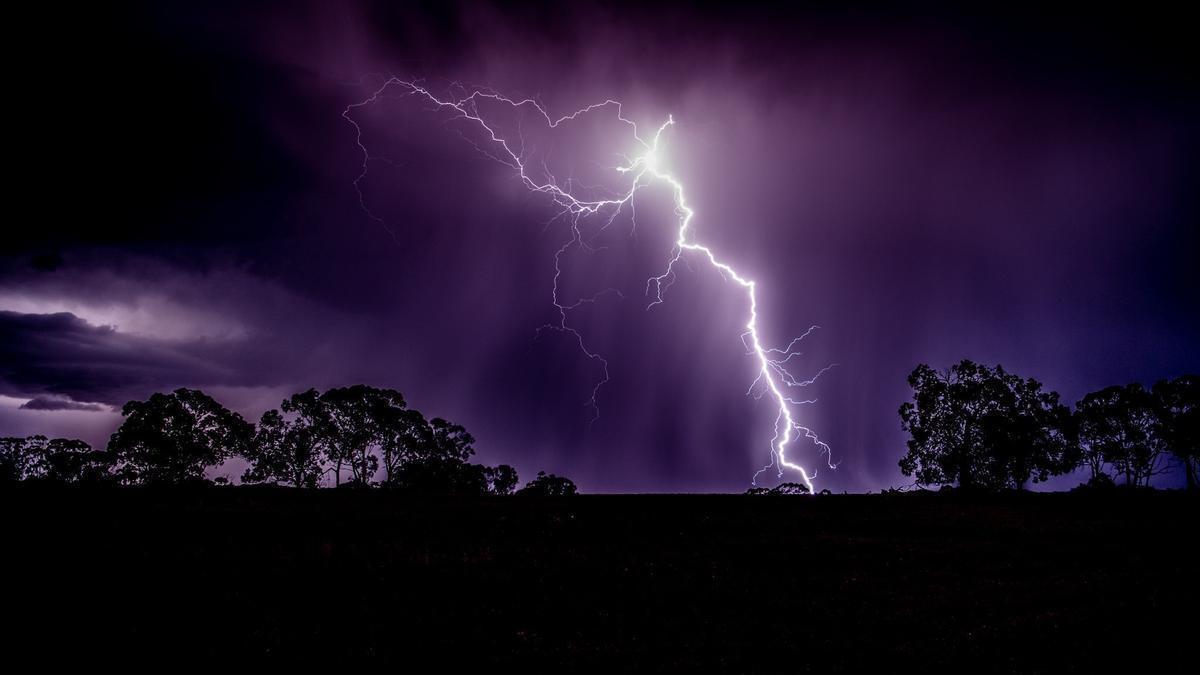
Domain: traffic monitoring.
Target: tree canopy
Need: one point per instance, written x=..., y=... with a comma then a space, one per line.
x=368, y=431
x=548, y=485
x=172, y=438
x=1178, y=403
x=60, y=460
x=981, y=427
x=1119, y=426
x=285, y=450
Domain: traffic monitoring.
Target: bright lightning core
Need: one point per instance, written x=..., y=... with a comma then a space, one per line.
x=650, y=160
x=773, y=380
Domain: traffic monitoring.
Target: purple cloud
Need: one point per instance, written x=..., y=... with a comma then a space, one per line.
x=59, y=403
x=929, y=187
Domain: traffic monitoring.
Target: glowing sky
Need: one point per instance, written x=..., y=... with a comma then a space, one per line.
x=925, y=186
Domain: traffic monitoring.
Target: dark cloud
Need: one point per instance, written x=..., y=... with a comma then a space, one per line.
x=110, y=328
x=58, y=403
x=63, y=355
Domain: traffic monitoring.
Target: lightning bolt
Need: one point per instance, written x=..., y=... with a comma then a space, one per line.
x=773, y=378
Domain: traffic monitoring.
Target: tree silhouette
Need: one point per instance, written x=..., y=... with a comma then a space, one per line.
x=285, y=450
x=74, y=461
x=441, y=476
x=1029, y=436
x=1118, y=427
x=983, y=427
x=346, y=414
x=368, y=429
x=360, y=419
x=405, y=436
x=450, y=476
x=309, y=419
x=502, y=480
x=172, y=438
x=430, y=458
x=15, y=457
x=175, y=437
x=60, y=460
x=451, y=440
x=548, y=485
x=1178, y=404
x=790, y=489
x=437, y=463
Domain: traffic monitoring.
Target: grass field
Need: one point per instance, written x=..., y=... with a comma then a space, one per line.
x=1033, y=582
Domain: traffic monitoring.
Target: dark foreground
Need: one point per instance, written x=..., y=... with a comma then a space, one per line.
x=902, y=582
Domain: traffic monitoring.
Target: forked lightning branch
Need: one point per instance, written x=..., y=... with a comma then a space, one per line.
x=773, y=380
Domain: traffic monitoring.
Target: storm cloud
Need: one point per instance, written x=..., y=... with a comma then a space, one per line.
x=926, y=186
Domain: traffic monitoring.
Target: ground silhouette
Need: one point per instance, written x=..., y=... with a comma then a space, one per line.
x=1021, y=582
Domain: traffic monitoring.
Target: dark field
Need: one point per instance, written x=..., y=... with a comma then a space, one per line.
x=898, y=582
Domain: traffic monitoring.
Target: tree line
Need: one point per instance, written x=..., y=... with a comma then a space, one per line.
x=978, y=427
x=971, y=426
x=353, y=436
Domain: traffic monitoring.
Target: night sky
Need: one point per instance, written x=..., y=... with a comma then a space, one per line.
x=926, y=185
